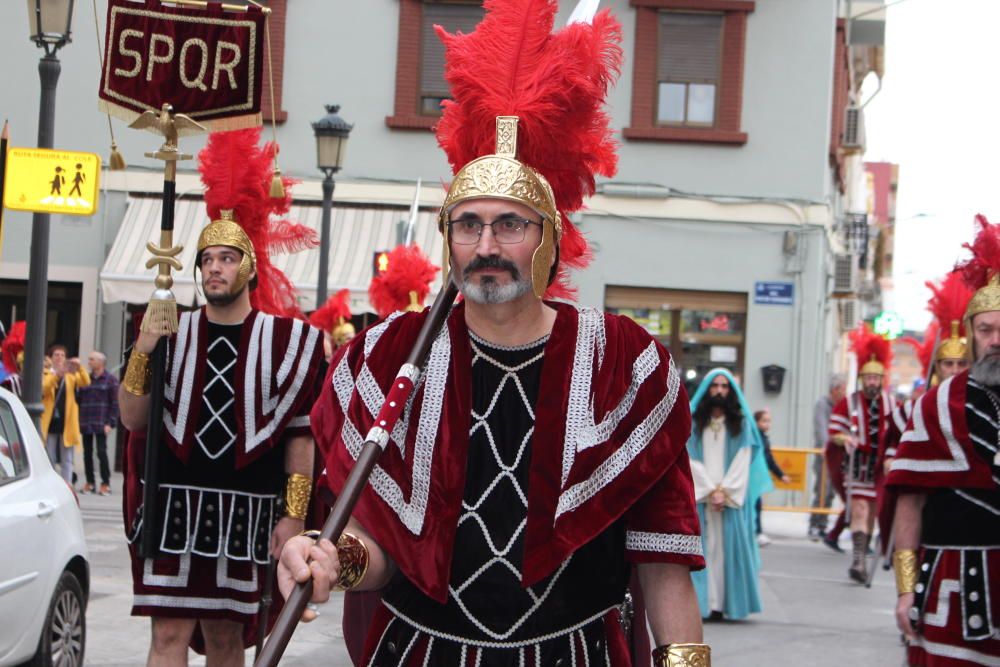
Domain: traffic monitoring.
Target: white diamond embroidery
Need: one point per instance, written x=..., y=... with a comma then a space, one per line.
x=215, y=437
x=498, y=546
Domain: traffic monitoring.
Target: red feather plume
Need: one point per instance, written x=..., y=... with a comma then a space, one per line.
x=866, y=343
x=513, y=65
x=950, y=299
x=925, y=349
x=985, y=260
x=328, y=316
x=409, y=271
x=12, y=345
x=237, y=173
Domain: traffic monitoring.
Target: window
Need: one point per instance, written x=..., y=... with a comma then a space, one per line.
x=13, y=458
x=702, y=330
x=688, y=77
x=420, y=84
x=688, y=68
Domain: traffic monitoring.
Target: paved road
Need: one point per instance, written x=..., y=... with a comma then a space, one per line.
x=813, y=615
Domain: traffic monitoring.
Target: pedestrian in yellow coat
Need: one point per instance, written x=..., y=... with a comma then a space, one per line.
x=61, y=414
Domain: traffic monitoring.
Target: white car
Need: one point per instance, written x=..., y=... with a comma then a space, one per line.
x=44, y=573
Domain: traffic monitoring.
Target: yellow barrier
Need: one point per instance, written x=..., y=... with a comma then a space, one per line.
x=794, y=462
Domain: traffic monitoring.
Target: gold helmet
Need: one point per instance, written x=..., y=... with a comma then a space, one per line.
x=226, y=232
x=982, y=274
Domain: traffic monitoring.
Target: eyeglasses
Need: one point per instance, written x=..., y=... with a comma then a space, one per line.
x=505, y=230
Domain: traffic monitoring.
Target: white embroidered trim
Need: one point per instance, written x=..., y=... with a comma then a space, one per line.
x=612, y=466
x=261, y=341
x=167, y=580
x=958, y=463
x=187, y=347
x=173, y=602
x=956, y=652
x=590, y=334
x=669, y=543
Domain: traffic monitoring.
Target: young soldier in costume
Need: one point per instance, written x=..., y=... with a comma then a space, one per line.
x=947, y=476
x=12, y=351
x=543, y=455
x=858, y=428
x=730, y=474
x=235, y=471
x=333, y=318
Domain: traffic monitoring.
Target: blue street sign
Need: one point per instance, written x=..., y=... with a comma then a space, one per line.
x=774, y=294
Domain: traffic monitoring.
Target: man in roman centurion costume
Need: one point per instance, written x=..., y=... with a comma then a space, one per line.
x=858, y=428
x=946, y=474
x=542, y=456
x=235, y=474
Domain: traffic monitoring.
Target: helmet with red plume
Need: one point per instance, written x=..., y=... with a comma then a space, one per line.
x=405, y=283
x=525, y=122
x=924, y=349
x=982, y=272
x=237, y=174
x=950, y=299
x=13, y=347
x=334, y=317
x=873, y=351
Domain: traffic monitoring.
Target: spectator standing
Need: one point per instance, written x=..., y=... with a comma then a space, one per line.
x=823, y=497
x=61, y=414
x=763, y=419
x=98, y=416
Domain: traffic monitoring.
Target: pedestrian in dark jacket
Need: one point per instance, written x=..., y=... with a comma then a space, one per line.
x=98, y=416
x=763, y=419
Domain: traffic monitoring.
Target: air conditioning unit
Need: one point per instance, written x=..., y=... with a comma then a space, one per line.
x=850, y=314
x=845, y=276
x=854, y=129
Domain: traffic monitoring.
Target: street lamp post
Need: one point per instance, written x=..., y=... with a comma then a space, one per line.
x=49, y=22
x=331, y=132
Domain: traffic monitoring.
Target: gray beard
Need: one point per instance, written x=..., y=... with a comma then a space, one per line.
x=986, y=371
x=488, y=291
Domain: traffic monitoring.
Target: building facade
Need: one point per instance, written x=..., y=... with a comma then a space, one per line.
x=719, y=233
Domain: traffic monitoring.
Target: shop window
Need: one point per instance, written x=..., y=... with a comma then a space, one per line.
x=688, y=75
x=420, y=84
x=702, y=330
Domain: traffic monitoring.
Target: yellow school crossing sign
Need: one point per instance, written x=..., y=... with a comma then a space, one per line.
x=51, y=181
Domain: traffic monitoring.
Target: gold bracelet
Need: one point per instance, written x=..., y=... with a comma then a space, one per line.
x=298, y=489
x=682, y=655
x=138, y=375
x=904, y=563
x=353, y=556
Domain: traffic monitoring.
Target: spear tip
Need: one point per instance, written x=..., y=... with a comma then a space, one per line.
x=5, y=134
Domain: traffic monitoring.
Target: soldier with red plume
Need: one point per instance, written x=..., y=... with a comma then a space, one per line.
x=12, y=350
x=543, y=455
x=235, y=476
x=859, y=426
x=333, y=318
x=946, y=474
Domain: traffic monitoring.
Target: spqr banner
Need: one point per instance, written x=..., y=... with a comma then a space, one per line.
x=205, y=62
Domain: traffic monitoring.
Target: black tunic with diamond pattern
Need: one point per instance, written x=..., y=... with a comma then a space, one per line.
x=487, y=606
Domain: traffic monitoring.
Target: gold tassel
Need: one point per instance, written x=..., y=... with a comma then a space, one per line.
x=161, y=310
x=277, y=186
x=116, y=162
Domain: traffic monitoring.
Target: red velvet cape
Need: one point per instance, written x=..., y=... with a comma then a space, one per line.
x=605, y=382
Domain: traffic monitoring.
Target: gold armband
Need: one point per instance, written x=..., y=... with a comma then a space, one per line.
x=298, y=489
x=353, y=556
x=904, y=563
x=138, y=375
x=682, y=655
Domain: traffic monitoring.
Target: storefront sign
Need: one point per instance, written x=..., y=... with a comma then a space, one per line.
x=206, y=63
x=51, y=181
x=774, y=294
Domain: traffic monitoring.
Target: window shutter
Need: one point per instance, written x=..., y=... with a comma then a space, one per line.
x=452, y=17
x=689, y=47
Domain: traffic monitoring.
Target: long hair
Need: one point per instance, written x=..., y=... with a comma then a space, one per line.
x=731, y=407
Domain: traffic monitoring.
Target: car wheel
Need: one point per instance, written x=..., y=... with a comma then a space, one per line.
x=64, y=633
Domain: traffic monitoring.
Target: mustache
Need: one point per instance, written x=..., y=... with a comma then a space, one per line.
x=491, y=262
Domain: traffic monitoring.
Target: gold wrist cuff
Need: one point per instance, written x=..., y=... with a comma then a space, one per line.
x=682, y=655
x=138, y=375
x=353, y=556
x=904, y=564
x=298, y=489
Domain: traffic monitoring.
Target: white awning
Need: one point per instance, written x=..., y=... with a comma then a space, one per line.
x=356, y=233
